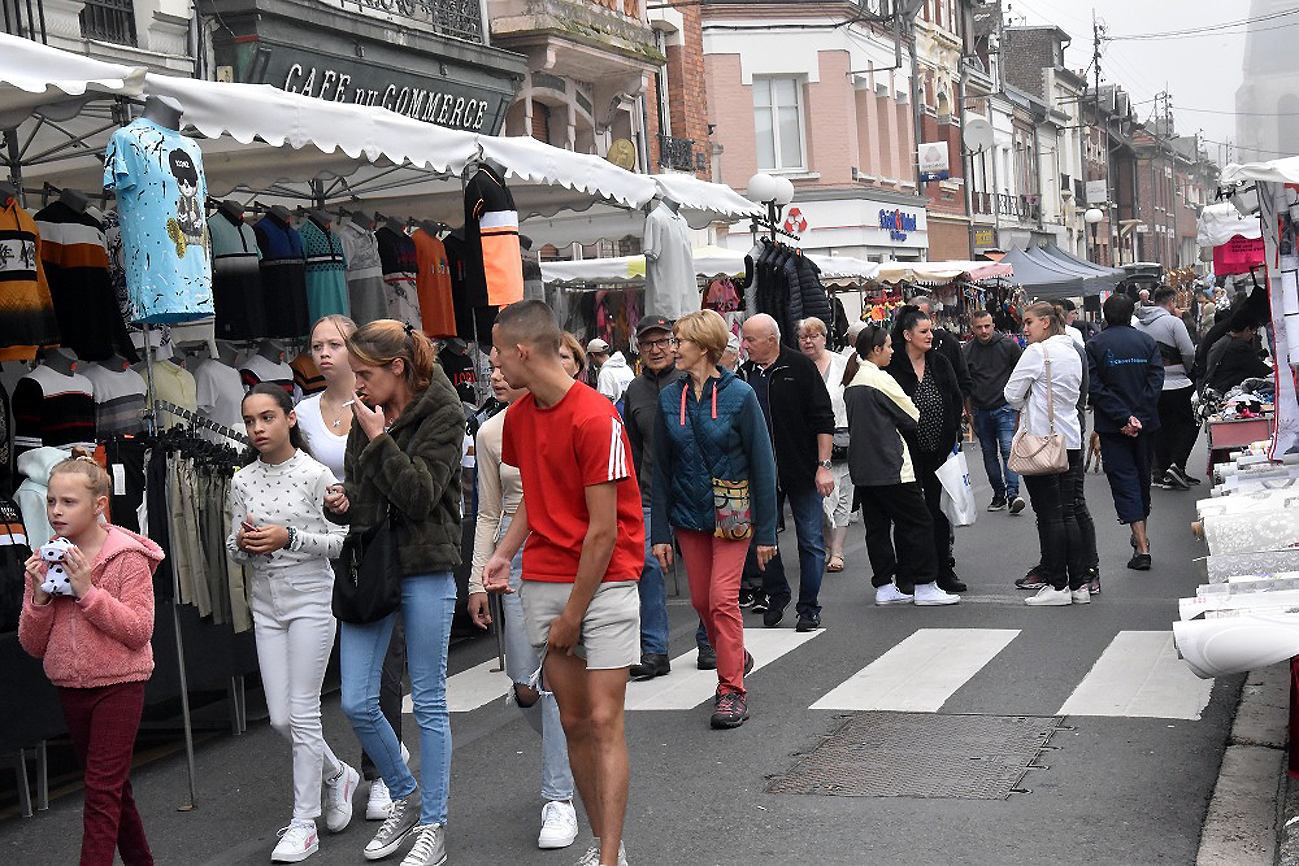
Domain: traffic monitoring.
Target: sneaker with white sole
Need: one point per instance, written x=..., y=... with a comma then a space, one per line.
x=339, y=791
x=401, y=821
x=1081, y=595
x=298, y=841
x=1016, y=504
x=379, y=804
x=929, y=595
x=890, y=594
x=1049, y=596
x=592, y=855
x=558, y=825
x=430, y=848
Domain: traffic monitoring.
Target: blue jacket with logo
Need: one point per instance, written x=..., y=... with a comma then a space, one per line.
x=722, y=435
x=1126, y=374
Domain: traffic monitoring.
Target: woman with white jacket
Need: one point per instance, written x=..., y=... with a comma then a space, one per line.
x=1049, y=377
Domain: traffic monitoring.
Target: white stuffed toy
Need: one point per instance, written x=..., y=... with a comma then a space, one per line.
x=56, y=578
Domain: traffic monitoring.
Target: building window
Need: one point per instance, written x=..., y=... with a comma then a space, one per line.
x=778, y=123
x=109, y=20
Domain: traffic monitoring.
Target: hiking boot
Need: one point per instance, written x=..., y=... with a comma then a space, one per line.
x=731, y=712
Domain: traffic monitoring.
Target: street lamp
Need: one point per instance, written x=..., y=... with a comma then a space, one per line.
x=774, y=192
x=1092, y=217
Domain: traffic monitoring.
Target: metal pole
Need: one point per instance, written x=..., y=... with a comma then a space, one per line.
x=14, y=160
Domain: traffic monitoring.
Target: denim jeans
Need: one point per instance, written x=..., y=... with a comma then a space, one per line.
x=653, y=600
x=428, y=603
x=995, y=429
x=521, y=662
x=806, y=506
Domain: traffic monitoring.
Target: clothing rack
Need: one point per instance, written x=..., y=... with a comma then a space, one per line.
x=771, y=228
x=199, y=421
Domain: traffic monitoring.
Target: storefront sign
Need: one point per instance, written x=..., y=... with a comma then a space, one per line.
x=1097, y=192
x=898, y=223
x=985, y=238
x=933, y=159
x=429, y=103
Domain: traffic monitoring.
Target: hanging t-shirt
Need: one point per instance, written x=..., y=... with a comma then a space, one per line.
x=670, y=288
x=365, y=288
x=6, y=444
x=257, y=369
x=75, y=256
x=218, y=395
x=460, y=370
x=433, y=281
x=27, y=320
x=326, y=271
x=236, y=279
x=494, y=268
x=175, y=384
x=157, y=174
x=119, y=400
x=53, y=409
x=400, y=265
x=560, y=451
x=284, y=278
x=306, y=377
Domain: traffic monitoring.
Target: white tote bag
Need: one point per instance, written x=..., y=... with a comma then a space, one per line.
x=957, y=500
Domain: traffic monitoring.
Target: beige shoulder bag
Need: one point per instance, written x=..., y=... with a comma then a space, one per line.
x=1039, y=455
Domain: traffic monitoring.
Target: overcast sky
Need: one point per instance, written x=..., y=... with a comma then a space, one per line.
x=1201, y=72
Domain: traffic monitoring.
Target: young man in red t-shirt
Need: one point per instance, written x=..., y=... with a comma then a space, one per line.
x=581, y=516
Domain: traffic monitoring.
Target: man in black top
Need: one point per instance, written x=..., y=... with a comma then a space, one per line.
x=1235, y=359
x=990, y=358
x=799, y=414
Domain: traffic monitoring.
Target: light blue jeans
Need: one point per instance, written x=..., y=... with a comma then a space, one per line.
x=521, y=662
x=653, y=599
x=428, y=603
x=996, y=431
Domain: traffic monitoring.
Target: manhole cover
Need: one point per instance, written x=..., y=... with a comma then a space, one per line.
x=882, y=754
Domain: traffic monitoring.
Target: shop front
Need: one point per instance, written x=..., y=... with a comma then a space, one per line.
x=871, y=229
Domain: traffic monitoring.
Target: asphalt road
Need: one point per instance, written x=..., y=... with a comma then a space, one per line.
x=1118, y=788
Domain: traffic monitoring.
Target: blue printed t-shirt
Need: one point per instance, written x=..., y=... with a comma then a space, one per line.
x=157, y=174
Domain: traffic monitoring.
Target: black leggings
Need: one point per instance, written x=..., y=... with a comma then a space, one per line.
x=1059, y=536
x=899, y=535
x=926, y=466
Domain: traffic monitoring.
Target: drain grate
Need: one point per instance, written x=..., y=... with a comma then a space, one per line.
x=885, y=754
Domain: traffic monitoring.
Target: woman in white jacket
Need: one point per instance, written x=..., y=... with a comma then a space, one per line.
x=1044, y=387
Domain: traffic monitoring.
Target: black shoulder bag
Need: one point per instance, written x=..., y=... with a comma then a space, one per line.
x=367, y=586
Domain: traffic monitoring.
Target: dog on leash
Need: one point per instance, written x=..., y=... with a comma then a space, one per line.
x=1093, y=451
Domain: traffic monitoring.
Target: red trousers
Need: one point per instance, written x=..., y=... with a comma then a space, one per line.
x=103, y=722
x=714, y=568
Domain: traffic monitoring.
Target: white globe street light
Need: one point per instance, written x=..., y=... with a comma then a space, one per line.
x=773, y=192
x=762, y=188
x=1092, y=217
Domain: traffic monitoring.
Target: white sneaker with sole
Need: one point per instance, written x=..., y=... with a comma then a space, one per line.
x=890, y=594
x=929, y=595
x=379, y=804
x=558, y=825
x=1047, y=596
x=592, y=855
x=339, y=791
x=298, y=841
x=1082, y=595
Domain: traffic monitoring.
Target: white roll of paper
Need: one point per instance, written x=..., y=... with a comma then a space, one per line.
x=1220, y=647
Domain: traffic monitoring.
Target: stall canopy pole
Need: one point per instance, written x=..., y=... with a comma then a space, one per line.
x=13, y=159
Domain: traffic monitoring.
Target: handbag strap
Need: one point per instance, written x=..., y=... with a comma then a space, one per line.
x=694, y=427
x=1050, y=392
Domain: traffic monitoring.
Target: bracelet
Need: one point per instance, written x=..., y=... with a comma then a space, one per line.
x=293, y=539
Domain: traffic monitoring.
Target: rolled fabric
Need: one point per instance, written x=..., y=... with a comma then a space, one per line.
x=1231, y=645
x=1219, y=568
x=1275, y=529
x=1247, y=503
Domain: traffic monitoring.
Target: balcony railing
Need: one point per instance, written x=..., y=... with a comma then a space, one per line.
x=1020, y=206
x=109, y=20
x=24, y=18
x=679, y=154
x=459, y=19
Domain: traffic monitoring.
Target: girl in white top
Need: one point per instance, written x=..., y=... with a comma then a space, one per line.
x=1035, y=391
x=281, y=534
x=838, y=505
x=326, y=417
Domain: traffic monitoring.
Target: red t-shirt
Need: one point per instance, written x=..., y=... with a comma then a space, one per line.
x=560, y=452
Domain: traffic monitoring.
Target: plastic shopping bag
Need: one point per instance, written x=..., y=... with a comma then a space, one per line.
x=957, y=500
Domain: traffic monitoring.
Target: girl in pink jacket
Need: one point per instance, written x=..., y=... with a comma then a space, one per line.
x=93, y=635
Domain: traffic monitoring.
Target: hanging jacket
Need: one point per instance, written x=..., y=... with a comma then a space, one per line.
x=879, y=413
x=815, y=302
x=35, y=466
x=735, y=447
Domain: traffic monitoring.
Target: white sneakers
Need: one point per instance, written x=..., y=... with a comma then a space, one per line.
x=890, y=594
x=339, y=790
x=592, y=855
x=1050, y=597
x=929, y=595
x=379, y=804
x=558, y=825
x=298, y=841
x=1081, y=595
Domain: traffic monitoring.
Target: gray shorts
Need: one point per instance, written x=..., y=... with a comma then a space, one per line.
x=610, y=635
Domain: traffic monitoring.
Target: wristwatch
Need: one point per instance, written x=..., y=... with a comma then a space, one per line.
x=825, y=464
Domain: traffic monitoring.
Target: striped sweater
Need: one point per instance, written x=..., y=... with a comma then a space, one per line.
x=53, y=409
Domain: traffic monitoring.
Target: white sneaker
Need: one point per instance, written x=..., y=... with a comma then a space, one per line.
x=298, y=841
x=1082, y=595
x=929, y=595
x=890, y=594
x=339, y=791
x=1049, y=597
x=592, y=855
x=380, y=802
x=558, y=825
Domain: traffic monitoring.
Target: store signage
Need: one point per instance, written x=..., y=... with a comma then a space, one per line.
x=933, y=159
x=898, y=223
x=796, y=222
x=985, y=238
x=1097, y=192
x=424, y=100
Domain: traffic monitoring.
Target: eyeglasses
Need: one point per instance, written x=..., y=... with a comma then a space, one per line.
x=660, y=343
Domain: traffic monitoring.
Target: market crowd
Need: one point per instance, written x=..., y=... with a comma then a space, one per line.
x=592, y=479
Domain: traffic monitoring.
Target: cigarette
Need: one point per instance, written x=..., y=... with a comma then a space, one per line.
x=348, y=403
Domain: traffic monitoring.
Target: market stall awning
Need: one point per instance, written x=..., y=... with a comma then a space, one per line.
x=1039, y=281
x=1277, y=170
x=1219, y=223
x=35, y=77
x=1092, y=281
x=941, y=272
x=1100, y=270
x=709, y=262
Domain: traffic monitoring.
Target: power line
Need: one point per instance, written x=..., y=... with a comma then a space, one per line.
x=1208, y=29
x=1246, y=148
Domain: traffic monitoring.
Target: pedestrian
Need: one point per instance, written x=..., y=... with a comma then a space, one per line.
x=929, y=380
x=1177, y=421
x=615, y=376
x=572, y=357
x=325, y=419
x=1049, y=375
x=581, y=516
x=799, y=414
x=731, y=357
x=403, y=465
x=500, y=490
x=715, y=488
x=849, y=350
x=94, y=642
x=597, y=353
x=899, y=529
x=947, y=344
x=990, y=357
x=838, y=505
x=1235, y=358
x=1126, y=374
x=281, y=534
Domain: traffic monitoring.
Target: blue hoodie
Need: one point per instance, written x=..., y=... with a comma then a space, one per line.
x=736, y=447
x=1125, y=377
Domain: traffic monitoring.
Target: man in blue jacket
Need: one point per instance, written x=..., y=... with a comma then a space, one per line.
x=1126, y=375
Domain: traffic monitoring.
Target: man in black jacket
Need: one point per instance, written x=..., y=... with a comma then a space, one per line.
x=797, y=406
x=1236, y=360
x=991, y=357
x=1126, y=375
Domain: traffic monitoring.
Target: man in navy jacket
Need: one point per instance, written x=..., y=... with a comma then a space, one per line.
x=1126, y=375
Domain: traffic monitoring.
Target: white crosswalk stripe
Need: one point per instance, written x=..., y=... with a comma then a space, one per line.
x=1140, y=675
x=920, y=673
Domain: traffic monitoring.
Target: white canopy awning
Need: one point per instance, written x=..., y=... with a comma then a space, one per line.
x=941, y=272
x=1219, y=223
x=58, y=83
x=1277, y=170
x=709, y=262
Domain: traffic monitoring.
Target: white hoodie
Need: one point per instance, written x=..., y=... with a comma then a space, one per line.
x=614, y=378
x=35, y=466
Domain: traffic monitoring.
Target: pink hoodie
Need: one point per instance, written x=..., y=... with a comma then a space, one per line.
x=103, y=638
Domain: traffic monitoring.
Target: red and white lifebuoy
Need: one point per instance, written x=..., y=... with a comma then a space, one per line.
x=795, y=222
